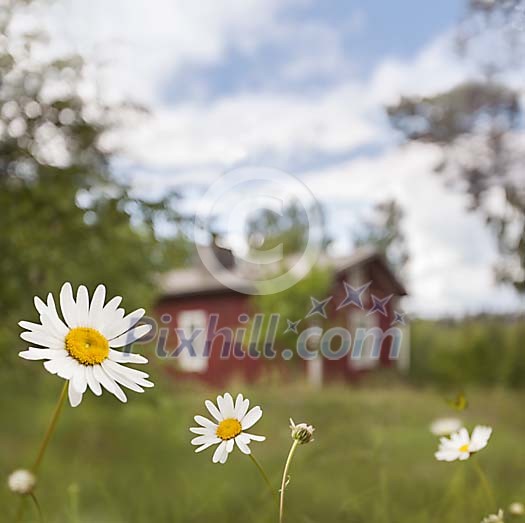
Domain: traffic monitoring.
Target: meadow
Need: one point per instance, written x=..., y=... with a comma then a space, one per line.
x=372, y=460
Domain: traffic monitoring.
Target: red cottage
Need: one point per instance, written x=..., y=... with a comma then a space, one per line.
x=365, y=298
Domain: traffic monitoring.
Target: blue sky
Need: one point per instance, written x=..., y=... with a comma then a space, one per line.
x=300, y=86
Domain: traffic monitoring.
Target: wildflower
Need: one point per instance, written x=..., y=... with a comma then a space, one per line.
x=445, y=426
x=302, y=432
x=21, y=481
x=517, y=509
x=494, y=518
x=231, y=420
x=460, y=445
x=80, y=347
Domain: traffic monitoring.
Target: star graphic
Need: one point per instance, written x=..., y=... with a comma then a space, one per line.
x=354, y=295
x=399, y=317
x=292, y=326
x=379, y=305
x=318, y=307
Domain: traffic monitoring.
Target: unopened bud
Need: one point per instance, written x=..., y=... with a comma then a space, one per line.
x=517, y=509
x=302, y=432
x=21, y=481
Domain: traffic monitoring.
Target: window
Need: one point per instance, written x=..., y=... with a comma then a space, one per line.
x=361, y=322
x=188, y=321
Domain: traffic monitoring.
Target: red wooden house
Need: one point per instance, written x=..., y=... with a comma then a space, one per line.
x=193, y=296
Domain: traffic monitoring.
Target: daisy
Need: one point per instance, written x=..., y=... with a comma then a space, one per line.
x=445, y=426
x=80, y=346
x=495, y=518
x=231, y=420
x=460, y=445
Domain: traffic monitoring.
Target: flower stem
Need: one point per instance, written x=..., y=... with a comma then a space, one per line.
x=42, y=449
x=50, y=429
x=485, y=483
x=262, y=473
x=285, y=475
x=38, y=508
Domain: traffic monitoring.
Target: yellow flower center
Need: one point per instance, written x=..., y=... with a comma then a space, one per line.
x=464, y=448
x=87, y=345
x=228, y=429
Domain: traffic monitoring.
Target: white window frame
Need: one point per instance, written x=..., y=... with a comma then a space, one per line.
x=188, y=321
x=360, y=319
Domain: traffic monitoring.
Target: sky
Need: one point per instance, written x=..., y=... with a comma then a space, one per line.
x=299, y=86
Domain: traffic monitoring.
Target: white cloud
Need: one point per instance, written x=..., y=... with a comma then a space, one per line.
x=148, y=43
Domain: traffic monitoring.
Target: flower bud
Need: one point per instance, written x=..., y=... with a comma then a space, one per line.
x=302, y=432
x=21, y=481
x=517, y=509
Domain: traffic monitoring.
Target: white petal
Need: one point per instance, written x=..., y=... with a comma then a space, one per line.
x=207, y=445
x=124, y=325
x=43, y=339
x=243, y=446
x=75, y=397
x=41, y=354
x=201, y=440
x=241, y=406
x=126, y=357
x=83, y=306
x=480, y=438
x=219, y=452
x=254, y=437
x=213, y=410
x=123, y=380
x=97, y=306
x=103, y=378
x=201, y=431
x=40, y=305
x=251, y=418
x=53, y=317
x=205, y=422
x=133, y=374
x=68, y=306
x=92, y=382
x=130, y=337
x=225, y=404
x=79, y=379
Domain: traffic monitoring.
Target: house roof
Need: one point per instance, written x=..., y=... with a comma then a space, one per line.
x=198, y=280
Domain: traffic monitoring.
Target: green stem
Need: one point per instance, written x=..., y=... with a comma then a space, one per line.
x=485, y=483
x=42, y=449
x=285, y=475
x=50, y=429
x=38, y=508
x=262, y=473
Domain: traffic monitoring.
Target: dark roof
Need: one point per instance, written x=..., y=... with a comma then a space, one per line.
x=198, y=280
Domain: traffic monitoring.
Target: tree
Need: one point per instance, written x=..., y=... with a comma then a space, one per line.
x=64, y=215
x=478, y=128
x=384, y=231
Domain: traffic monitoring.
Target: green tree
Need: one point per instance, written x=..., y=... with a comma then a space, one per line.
x=64, y=215
x=384, y=230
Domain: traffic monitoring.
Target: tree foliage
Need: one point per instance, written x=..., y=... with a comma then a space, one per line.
x=64, y=215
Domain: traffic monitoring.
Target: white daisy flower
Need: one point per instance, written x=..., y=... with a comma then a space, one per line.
x=231, y=420
x=517, y=509
x=445, y=426
x=495, y=518
x=460, y=445
x=80, y=347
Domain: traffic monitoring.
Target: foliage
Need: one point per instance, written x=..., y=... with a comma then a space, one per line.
x=65, y=216
x=476, y=351
x=372, y=447
x=293, y=304
x=384, y=231
x=289, y=230
x=477, y=127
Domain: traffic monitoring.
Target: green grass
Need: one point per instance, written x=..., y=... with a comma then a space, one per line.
x=372, y=460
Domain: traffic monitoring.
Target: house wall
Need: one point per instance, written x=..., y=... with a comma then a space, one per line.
x=228, y=306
